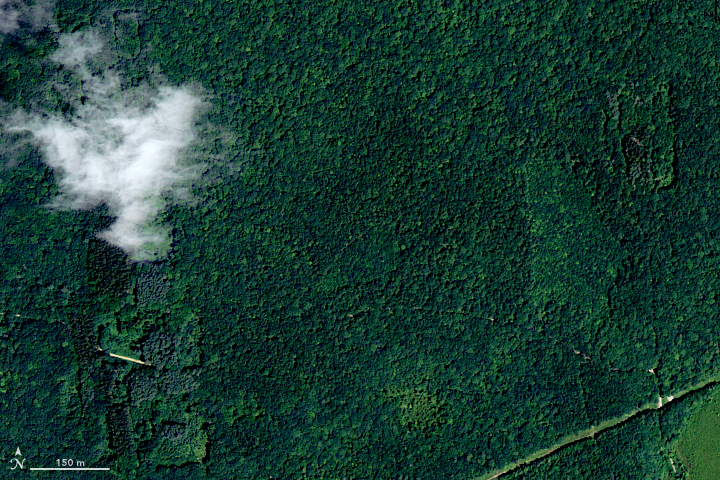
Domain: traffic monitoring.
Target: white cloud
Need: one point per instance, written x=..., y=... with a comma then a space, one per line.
x=76, y=49
x=35, y=16
x=111, y=151
x=9, y=16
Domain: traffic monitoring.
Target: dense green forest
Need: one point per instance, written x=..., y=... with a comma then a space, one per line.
x=408, y=239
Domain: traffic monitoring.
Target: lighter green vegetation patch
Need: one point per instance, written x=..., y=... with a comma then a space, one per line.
x=699, y=445
x=418, y=407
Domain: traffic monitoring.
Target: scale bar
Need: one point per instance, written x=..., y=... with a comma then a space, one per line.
x=69, y=468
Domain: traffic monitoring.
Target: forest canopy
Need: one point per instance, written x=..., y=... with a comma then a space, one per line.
x=357, y=240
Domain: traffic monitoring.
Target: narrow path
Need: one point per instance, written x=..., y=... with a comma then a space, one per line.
x=128, y=359
x=124, y=358
x=595, y=430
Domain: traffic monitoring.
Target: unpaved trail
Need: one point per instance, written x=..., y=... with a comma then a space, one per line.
x=123, y=357
x=595, y=430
